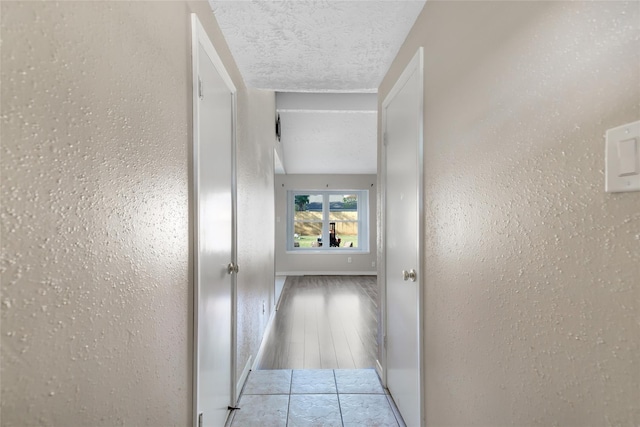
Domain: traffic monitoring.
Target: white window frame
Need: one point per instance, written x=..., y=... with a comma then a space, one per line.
x=363, y=221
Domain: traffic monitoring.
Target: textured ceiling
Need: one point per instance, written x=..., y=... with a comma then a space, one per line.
x=315, y=46
x=318, y=47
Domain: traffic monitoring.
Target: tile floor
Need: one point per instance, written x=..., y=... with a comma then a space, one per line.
x=315, y=397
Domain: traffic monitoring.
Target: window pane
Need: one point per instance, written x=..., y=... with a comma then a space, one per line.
x=307, y=234
x=343, y=207
x=307, y=207
x=347, y=234
x=342, y=221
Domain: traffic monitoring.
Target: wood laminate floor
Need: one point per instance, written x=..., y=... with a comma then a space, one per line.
x=324, y=322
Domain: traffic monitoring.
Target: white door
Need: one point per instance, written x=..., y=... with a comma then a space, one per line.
x=402, y=118
x=214, y=106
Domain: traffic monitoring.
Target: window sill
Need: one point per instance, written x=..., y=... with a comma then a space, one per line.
x=341, y=251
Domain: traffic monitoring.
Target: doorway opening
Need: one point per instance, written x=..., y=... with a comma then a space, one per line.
x=318, y=361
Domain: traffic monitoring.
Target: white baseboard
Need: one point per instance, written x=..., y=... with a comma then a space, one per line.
x=280, y=283
x=263, y=343
x=243, y=377
x=381, y=372
x=326, y=273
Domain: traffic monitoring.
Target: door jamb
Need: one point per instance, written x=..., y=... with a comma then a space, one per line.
x=200, y=37
x=416, y=64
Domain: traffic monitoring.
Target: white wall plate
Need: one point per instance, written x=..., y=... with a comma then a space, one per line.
x=622, y=170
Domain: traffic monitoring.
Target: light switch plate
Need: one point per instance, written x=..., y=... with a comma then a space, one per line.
x=622, y=158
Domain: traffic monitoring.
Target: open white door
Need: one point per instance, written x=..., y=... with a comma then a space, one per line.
x=215, y=234
x=402, y=176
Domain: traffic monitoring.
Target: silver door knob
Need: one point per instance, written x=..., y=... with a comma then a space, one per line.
x=232, y=268
x=409, y=275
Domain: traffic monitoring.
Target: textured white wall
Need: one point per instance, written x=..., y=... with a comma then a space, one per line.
x=532, y=270
x=96, y=254
x=256, y=280
x=329, y=143
x=323, y=263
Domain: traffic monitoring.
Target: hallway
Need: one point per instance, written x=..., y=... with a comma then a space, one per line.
x=304, y=398
x=316, y=368
x=531, y=270
x=324, y=322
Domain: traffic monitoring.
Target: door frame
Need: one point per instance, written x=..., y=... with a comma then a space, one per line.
x=200, y=37
x=416, y=64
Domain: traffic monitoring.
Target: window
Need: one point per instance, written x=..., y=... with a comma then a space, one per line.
x=328, y=221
